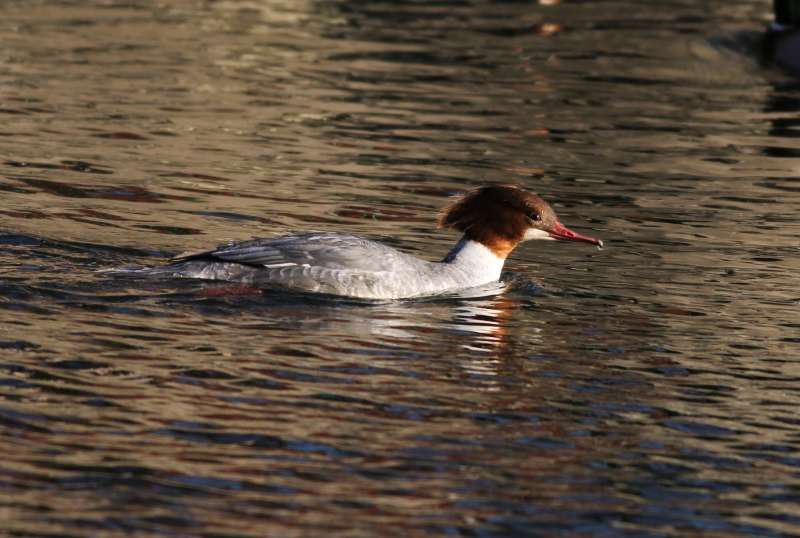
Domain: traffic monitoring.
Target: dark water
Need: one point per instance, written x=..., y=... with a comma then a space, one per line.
x=649, y=389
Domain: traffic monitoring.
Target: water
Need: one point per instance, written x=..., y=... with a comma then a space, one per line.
x=649, y=389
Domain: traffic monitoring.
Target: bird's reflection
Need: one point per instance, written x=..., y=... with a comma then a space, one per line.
x=472, y=326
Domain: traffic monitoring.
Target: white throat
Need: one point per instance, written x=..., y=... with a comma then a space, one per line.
x=476, y=261
x=535, y=233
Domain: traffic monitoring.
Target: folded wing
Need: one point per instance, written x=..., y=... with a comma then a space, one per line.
x=331, y=251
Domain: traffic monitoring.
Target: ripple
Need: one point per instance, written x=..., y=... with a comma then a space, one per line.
x=645, y=390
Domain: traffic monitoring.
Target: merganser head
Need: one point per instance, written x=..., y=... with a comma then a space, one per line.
x=502, y=216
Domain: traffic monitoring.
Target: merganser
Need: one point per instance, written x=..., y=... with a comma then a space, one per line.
x=493, y=220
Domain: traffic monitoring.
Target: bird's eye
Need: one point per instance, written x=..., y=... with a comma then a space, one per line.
x=533, y=215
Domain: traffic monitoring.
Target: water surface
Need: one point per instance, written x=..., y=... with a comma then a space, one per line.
x=649, y=389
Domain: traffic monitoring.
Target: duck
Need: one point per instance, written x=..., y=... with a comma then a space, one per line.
x=492, y=219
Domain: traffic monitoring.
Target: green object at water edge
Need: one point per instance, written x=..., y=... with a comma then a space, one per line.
x=787, y=12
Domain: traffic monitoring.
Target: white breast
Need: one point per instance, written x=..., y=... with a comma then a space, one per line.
x=476, y=262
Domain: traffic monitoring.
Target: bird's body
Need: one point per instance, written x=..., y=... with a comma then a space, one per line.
x=493, y=219
x=340, y=264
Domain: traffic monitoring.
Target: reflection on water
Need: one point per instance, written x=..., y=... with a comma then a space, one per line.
x=646, y=390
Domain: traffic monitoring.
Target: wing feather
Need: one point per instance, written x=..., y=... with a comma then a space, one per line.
x=325, y=250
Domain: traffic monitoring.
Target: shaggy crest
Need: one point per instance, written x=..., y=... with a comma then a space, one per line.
x=497, y=216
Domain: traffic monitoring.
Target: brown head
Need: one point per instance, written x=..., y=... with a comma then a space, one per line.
x=502, y=216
